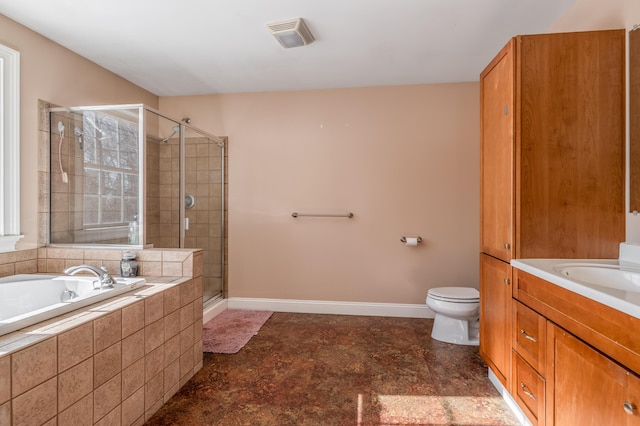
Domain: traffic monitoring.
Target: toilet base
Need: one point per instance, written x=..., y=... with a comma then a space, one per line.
x=456, y=331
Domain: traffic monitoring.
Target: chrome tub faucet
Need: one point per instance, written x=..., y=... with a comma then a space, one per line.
x=106, y=280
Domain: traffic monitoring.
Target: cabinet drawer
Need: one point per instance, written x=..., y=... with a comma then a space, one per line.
x=529, y=335
x=528, y=388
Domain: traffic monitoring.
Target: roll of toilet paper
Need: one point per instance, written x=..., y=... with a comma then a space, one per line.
x=411, y=241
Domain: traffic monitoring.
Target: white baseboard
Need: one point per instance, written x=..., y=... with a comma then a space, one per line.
x=513, y=405
x=213, y=310
x=329, y=307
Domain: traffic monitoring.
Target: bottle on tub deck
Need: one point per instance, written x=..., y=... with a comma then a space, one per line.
x=128, y=265
x=133, y=230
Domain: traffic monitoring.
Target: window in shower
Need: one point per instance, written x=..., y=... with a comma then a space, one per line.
x=110, y=153
x=95, y=178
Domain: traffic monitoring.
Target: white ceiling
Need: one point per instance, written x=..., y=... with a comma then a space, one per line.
x=188, y=47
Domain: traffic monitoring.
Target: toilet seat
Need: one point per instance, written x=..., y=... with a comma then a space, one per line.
x=454, y=294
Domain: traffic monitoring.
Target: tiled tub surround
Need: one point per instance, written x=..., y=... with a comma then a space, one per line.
x=114, y=362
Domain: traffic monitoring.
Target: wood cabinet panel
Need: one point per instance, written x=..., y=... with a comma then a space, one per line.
x=497, y=113
x=634, y=121
x=495, y=316
x=584, y=386
x=570, y=192
x=633, y=399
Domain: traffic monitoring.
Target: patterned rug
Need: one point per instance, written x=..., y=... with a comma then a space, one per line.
x=229, y=331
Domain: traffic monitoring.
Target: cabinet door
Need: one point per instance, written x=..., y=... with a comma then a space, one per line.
x=495, y=316
x=585, y=387
x=570, y=179
x=497, y=155
x=631, y=404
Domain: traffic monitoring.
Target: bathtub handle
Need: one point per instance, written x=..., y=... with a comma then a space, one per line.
x=68, y=295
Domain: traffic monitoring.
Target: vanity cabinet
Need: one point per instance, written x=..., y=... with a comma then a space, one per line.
x=552, y=163
x=575, y=361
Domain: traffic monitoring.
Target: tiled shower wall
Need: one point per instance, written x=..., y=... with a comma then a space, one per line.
x=168, y=167
x=60, y=214
x=152, y=182
x=116, y=364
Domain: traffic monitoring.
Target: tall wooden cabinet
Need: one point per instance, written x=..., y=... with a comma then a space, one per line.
x=552, y=162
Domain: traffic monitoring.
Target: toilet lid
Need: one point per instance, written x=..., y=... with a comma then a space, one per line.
x=455, y=293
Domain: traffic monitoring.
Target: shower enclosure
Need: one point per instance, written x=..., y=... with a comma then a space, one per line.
x=127, y=176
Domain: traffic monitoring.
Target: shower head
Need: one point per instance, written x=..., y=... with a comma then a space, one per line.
x=79, y=132
x=175, y=129
x=92, y=124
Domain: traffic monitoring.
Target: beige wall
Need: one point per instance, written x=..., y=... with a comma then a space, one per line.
x=57, y=75
x=403, y=159
x=586, y=15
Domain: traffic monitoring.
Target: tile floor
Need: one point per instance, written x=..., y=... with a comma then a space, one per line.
x=309, y=369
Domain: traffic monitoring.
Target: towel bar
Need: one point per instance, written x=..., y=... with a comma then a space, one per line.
x=296, y=214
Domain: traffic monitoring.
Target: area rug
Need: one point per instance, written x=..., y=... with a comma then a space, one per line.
x=229, y=331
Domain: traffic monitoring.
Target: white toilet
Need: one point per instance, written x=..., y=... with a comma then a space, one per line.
x=457, y=312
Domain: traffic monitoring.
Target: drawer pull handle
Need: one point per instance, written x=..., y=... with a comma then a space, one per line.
x=629, y=408
x=526, y=391
x=506, y=281
x=526, y=336
x=507, y=246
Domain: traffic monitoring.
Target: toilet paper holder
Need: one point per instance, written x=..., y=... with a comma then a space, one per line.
x=404, y=239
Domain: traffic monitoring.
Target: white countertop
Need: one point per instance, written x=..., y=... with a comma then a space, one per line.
x=624, y=301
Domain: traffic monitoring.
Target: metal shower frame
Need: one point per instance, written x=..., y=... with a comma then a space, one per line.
x=142, y=137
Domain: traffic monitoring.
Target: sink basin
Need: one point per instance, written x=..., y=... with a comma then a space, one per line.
x=608, y=276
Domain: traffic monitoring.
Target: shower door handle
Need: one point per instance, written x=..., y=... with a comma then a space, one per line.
x=186, y=223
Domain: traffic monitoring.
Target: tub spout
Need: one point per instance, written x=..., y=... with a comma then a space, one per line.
x=106, y=280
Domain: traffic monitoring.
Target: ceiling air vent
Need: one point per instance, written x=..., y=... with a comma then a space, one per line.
x=291, y=33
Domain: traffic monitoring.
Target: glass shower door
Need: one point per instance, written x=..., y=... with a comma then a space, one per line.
x=203, y=206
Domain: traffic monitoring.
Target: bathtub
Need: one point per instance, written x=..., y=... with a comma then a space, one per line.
x=31, y=298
